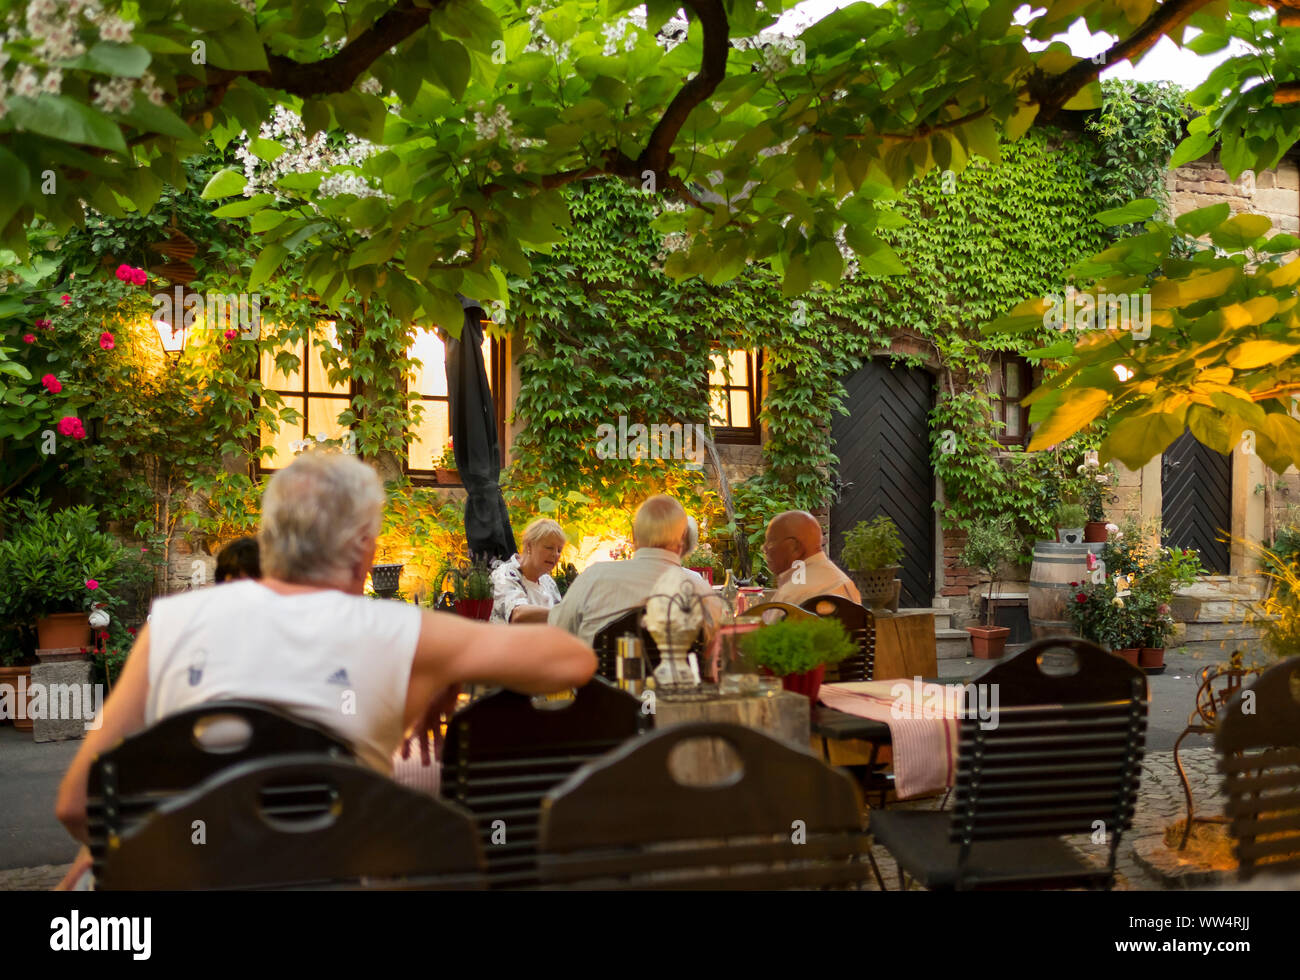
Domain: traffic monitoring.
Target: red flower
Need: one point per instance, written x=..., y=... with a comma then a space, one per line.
x=52, y=384
x=29, y=338
x=1081, y=597
x=140, y=277
x=44, y=324
x=125, y=273
x=66, y=299
x=232, y=334
x=70, y=425
x=92, y=584
x=106, y=340
x=1074, y=585
x=131, y=630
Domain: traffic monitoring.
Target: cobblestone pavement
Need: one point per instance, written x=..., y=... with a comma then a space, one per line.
x=1160, y=803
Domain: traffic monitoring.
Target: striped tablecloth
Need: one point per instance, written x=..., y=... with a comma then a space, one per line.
x=924, y=749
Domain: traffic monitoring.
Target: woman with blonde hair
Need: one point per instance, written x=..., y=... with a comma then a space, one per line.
x=522, y=587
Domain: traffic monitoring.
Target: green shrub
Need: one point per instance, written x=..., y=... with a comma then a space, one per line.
x=872, y=546
x=1071, y=515
x=797, y=646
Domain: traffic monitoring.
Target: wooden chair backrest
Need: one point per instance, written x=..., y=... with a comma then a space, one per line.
x=1258, y=739
x=861, y=626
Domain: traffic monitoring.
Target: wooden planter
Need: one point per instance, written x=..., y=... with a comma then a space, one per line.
x=62, y=630
x=1069, y=535
x=447, y=477
x=988, y=642
x=11, y=676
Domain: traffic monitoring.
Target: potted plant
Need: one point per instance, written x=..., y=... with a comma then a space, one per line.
x=798, y=651
x=563, y=576
x=704, y=561
x=54, y=567
x=872, y=552
x=445, y=466
x=1069, y=522
x=470, y=591
x=1095, y=479
x=988, y=547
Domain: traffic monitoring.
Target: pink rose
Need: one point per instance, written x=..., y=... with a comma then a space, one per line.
x=44, y=324
x=52, y=384
x=66, y=299
x=29, y=338
x=125, y=273
x=106, y=340
x=140, y=277
x=92, y=584
x=70, y=425
x=232, y=334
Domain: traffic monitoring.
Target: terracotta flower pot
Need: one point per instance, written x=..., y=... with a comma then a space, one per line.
x=808, y=683
x=447, y=477
x=474, y=608
x=988, y=642
x=707, y=573
x=61, y=630
x=11, y=676
x=1151, y=657
x=1095, y=531
x=1130, y=654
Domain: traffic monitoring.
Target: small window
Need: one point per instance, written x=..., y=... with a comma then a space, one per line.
x=734, y=396
x=1010, y=381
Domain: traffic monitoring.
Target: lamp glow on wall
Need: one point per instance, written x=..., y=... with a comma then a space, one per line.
x=173, y=337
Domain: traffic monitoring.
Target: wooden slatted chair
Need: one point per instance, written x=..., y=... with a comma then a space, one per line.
x=1258, y=739
x=1064, y=757
x=503, y=753
x=787, y=820
x=176, y=754
x=259, y=825
x=830, y=725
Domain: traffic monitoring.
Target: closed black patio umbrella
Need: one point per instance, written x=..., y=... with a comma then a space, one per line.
x=474, y=440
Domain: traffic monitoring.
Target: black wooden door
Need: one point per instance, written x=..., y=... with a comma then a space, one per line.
x=884, y=450
x=1196, y=483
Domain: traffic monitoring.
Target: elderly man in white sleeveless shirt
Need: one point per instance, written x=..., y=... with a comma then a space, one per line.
x=305, y=638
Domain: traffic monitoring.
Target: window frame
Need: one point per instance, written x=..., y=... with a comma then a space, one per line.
x=1003, y=361
x=752, y=434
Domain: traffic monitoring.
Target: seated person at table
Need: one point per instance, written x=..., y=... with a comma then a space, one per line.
x=795, y=536
x=305, y=638
x=609, y=589
x=522, y=587
x=237, y=560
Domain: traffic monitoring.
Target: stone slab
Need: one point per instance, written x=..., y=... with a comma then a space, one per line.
x=72, y=677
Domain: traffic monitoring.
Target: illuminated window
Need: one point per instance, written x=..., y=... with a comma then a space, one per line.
x=429, y=383
x=308, y=391
x=734, y=397
x=1010, y=381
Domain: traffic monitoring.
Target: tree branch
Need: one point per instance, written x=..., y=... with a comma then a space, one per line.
x=1051, y=92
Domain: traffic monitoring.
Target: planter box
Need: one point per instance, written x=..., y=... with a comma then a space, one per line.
x=448, y=477
x=61, y=630
x=988, y=642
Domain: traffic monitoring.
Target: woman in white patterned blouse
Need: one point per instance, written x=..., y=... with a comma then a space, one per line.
x=522, y=587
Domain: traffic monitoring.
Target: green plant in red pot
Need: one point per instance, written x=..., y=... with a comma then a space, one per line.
x=798, y=651
x=988, y=548
x=466, y=588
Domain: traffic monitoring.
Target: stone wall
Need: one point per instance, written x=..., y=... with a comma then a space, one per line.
x=1275, y=193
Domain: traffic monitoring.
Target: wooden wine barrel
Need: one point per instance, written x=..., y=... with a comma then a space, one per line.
x=1055, y=567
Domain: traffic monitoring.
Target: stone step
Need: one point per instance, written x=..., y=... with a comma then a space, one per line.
x=1198, y=632
x=942, y=615
x=951, y=644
